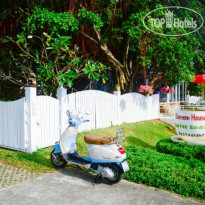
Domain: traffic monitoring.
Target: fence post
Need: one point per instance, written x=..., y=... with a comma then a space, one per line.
x=119, y=115
x=168, y=96
x=61, y=96
x=30, y=96
x=147, y=106
x=188, y=98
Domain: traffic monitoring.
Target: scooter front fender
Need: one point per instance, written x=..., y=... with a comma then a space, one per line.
x=57, y=149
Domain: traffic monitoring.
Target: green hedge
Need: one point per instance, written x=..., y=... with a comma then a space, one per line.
x=177, y=174
x=180, y=149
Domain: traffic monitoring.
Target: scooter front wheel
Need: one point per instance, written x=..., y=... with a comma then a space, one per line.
x=58, y=160
x=117, y=174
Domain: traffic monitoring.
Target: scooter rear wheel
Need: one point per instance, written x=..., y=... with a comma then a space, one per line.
x=58, y=160
x=117, y=174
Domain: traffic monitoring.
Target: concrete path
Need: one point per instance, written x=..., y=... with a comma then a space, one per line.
x=74, y=186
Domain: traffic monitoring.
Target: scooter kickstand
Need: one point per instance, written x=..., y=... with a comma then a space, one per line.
x=98, y=177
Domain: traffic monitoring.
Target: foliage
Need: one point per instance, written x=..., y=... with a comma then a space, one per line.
x=54, y=22
x=196, y=89
x=122, y=30
x=51, y=58
x=53, y=61
x=95, y=70
x=90, y=18
x=177, y=174
x=167, y=146
x=116, y=29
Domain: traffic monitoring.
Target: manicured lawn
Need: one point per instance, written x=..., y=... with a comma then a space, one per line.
x=145, y=134
x=38, y=161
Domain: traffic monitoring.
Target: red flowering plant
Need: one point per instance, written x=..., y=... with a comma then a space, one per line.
x=146, y=89
x=166, y=90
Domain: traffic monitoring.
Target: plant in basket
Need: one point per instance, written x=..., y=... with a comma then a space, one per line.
x=166, y=90
x=146, y=89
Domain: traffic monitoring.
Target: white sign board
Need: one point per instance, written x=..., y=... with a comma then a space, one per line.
x=190, y=125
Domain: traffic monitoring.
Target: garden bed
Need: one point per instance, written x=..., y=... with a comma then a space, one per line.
x=177, y=174
x=167, y=146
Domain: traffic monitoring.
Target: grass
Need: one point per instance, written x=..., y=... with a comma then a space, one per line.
x=38, y=162
x=145, y=134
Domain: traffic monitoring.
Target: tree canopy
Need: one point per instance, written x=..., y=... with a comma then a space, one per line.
x=112, y=32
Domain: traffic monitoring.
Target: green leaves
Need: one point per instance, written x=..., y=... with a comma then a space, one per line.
x=91, y=70
x=58, y=65
x=61, y=43
x=54, y=22
x=90, y=18
x=66, y=78
x=95, y=69
x=21, y=38
x=180, y=149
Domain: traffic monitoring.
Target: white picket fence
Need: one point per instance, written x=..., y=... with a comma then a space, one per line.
x=12, y=126
x=107, y=109
x=36, y=122
x=193, y=99
x=47, y=111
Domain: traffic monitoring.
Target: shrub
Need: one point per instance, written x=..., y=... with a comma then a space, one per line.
x=181, y=149
x=177, y=174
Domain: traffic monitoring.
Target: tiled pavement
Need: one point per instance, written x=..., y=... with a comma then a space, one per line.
x=10, y=175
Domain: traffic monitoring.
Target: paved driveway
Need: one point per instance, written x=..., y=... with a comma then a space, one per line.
x=74, y=186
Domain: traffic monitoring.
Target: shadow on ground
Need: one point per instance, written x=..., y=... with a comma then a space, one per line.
x=82, y=173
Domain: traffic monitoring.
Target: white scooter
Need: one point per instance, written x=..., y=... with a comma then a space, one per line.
x=105, y=155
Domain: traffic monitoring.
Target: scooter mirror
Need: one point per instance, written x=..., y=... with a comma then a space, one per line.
x=87, y=112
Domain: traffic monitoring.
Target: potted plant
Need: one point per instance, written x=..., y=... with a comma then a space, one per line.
x=146, y=90
x=117, y=87
x=166, y=90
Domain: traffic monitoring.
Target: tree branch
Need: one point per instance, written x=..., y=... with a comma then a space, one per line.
x=28, y=54
x=11, y=79
x=89, y=37
x=125, y=54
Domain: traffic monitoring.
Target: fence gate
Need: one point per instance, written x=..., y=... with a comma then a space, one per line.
x=12, y=125
x=47, y=117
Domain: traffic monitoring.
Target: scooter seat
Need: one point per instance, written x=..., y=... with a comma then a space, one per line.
x=89, y=139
